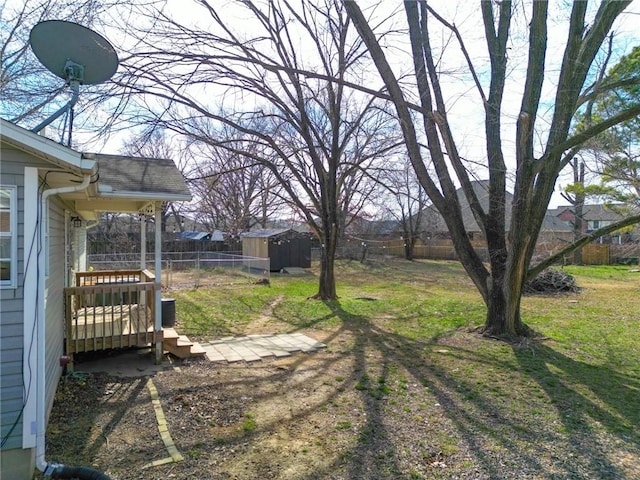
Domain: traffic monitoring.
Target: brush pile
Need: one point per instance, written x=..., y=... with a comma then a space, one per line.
x=551, y=281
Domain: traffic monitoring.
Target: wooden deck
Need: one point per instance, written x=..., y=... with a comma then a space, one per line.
x=110, y=309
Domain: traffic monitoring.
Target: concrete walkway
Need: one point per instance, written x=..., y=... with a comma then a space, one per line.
x=141, y=362
x=256, y=347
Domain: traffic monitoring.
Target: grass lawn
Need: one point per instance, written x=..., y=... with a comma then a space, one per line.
x=406, y=390
x=583, y=382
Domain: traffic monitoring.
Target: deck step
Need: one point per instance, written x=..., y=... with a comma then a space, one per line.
x=169, y=333
x=180, y=345
x=197, y=350
x=183, y=341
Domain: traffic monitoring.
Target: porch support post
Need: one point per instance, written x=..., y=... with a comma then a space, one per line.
x=143, y=242
x=81, y=247
x=158, y=279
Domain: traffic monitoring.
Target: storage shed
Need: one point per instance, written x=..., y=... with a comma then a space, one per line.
x=285, y=248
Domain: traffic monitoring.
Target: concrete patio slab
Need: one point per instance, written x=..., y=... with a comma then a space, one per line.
x=255, y=347
x=252, y=348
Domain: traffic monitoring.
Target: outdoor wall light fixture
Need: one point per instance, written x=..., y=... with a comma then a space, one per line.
x=76, y=222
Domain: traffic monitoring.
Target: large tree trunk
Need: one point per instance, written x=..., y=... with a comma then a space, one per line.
x=503, y=312
x=327, y=283
x=409, y=244
x=408, y=249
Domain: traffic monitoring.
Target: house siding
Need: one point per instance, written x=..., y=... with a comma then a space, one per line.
x=55, y=305
x=12, y=388
x=11, y=318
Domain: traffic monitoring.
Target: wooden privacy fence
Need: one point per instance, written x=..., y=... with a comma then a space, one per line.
x=110, y=309
x=596, y=254
x=442, y=249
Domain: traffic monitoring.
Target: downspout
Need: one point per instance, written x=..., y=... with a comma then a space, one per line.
x=51, y=469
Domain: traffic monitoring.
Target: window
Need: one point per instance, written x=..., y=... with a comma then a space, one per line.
x=8, y=236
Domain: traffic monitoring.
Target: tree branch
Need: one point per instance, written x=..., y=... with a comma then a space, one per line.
x=532, y=272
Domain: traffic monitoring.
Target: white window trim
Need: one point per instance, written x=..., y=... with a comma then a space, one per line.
x=13, y=213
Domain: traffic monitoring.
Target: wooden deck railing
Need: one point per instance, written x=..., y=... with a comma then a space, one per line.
x=110, y=309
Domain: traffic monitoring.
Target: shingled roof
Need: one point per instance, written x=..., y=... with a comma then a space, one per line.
x=434, y=222
x=148, y=177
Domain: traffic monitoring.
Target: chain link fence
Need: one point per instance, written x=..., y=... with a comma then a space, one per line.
x=191, y=269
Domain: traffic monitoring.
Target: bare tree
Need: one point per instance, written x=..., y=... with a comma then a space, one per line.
x=510, y=246
x=234, y=192
x=407, y=201
x=315, y=134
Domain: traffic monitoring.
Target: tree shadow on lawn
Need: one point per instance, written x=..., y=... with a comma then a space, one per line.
x=586, y=395
x=398, y=350
x=455, y=381
x=504, y=443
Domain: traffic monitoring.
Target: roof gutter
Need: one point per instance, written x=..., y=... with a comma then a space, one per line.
x=42, y=147
x=51, y=469
x=106, y=191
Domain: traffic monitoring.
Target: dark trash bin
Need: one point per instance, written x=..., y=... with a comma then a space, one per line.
x=168, y=312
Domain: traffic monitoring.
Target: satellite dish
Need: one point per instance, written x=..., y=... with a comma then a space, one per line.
x=63, y=46
x=75, y=54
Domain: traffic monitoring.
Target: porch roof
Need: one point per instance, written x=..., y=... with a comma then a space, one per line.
x=119, y=183
x=130, y=184
x=136, y=177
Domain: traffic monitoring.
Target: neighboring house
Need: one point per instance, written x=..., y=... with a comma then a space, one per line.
x=433, y=225
x=47, y=193
x=194, y=241
x=594, y=217
x=284, y=248
x=379, y=230
x=215, y=236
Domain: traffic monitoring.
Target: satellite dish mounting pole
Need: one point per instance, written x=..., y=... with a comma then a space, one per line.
x=74, y=85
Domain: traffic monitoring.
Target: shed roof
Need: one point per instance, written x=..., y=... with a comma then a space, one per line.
x=267, y=233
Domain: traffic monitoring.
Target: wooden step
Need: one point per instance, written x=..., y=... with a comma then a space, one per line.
x=180, y=345
x=169, y=334
x=197, y=350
